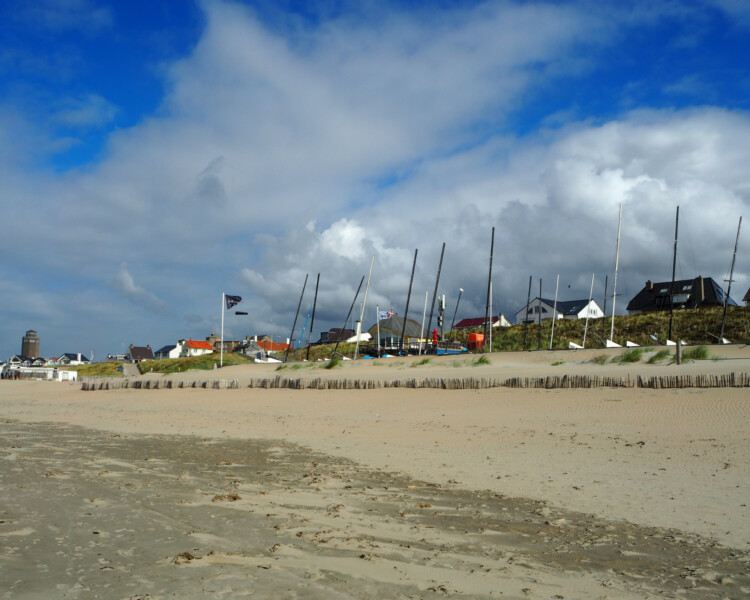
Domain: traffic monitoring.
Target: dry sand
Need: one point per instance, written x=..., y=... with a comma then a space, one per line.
x=595, y=493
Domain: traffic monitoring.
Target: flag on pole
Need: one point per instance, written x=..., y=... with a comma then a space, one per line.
x=385, y=314
x=232, y=300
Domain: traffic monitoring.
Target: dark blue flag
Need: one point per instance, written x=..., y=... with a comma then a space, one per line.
x=232, y=300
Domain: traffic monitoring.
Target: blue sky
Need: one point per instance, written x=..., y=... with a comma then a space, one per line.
x=155, y=154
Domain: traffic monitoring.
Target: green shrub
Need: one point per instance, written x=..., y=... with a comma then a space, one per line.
x=482, y=360
x=419, y=363
x=558, y=362
x=600, y=359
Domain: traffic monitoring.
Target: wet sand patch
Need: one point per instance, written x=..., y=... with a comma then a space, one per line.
x=135, y=516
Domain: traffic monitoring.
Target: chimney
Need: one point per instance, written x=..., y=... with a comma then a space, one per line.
x=649, y=285
x=78, y=357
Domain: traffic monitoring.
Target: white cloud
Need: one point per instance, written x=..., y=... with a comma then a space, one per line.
x=126, y=285
x=275, y=156
x=90, y=110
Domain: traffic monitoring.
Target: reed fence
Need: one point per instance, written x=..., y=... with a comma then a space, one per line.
x=728, y=380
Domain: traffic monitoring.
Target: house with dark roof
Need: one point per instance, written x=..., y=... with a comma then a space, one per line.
x=72, y=358
x=478, y=322
x=168, y=351
x=545, y=308
x=19, y=360
x=335, y=334
x=685, y=293
x=746, y=298
x=140, y=353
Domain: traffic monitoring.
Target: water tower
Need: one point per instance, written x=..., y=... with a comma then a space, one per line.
x=30, y=345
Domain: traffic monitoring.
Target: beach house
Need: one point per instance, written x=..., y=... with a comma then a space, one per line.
x=545, y=308
x=685, y=293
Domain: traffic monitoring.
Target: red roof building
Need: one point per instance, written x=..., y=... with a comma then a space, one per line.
x=195, y=348
x=273, y=346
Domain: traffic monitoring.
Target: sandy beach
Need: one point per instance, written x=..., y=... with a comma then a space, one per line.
x=511, y=493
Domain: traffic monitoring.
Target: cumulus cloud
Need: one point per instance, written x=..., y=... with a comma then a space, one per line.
x=279, y=153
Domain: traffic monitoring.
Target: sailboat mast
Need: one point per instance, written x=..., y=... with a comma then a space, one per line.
x=729, y=283
x=434, y=295
x=539, y=329
x=294, y=324
x=312, y=322
x=614, y=283
x=588, y=311
x=351, y=308
x=526, y=318
x=554, y=312
x=362, y=312
x=408, y=298
x=674, y=266
x=489, y=286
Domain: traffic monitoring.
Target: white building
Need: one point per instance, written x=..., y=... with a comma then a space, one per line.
x=566, y=309
x=169, y=351
x=194, y=348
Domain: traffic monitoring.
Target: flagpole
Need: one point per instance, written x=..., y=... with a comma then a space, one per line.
x=221, y=352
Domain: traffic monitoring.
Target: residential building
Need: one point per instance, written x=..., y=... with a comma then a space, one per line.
x=478, y=322
x=70, y=358
x=685, y=293
x=140, y=353
x=564, y=309
x=169, y=351
x=336, y=334
x=194, y=348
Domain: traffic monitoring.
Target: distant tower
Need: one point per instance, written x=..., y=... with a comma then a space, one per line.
x=30, y=345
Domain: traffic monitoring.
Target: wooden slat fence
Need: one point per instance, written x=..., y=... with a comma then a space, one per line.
x=727, y=380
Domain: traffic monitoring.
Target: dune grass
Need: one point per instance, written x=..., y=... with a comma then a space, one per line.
x=633, y=355
x=206, y=362
x=333, y=363
x=105, y=369
x=660, y=356
x=698, y=353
